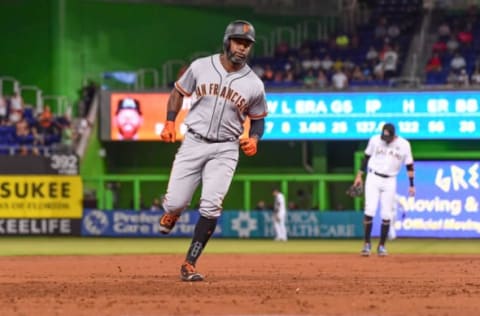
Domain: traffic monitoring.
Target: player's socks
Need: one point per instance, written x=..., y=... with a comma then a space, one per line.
x=367, y=225
x=384, y=231
x=203, y=231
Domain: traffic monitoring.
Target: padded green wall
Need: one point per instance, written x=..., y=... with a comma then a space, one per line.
x=55, y=44
x=26, y=43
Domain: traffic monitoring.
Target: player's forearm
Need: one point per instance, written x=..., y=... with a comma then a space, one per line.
x=174, y=104
x=257, y=128
x=411, y=174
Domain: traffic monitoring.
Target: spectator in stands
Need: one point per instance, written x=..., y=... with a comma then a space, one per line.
x=268, y=73
x=367, y=70
x=439, y=46
x=381, y=28
x=372, y=53
x=378, y=70
x=316, y=63
x=348, y=65
x=322, y=79
x=354, y=41
x=67, y=139
x=289, y=76
x=465, y=37
x=463, y=79
x=393, y=31
x=342, y=41
x=3, y=111
x=292, y=206
x=45, y=124
x=309, y=81
x=327, y=63
x=278, y=76
x=261, y=206
x=338, y=64
x=307, y=64
x=443, y=31
x=16, y=108
x=390, y=59
x=452, y=78
x=156, y=205
x=434, y=63
x=21, y=128
x=458, y=62
x=258, y=70
x=87, y=94
x=282, y=49
x=452, y=44
x=357, y=74
x=475, y=79
x=340, y=80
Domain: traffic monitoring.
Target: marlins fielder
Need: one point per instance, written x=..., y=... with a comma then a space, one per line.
x=224, y=91
x=383, y=159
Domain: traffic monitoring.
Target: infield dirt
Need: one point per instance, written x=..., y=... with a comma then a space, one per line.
x=297, y=284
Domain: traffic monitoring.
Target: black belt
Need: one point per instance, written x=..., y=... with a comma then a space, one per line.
x=209, y=140
x=380, y=174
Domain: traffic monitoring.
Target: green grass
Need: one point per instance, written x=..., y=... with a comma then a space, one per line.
x=15, y=246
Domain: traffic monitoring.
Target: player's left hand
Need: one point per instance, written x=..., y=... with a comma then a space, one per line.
x=249, y=145
x=411, y=191
x=168, y=133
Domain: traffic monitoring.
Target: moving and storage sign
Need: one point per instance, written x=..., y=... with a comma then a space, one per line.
x=33, y=197
x=446, y=203
x=232, y=224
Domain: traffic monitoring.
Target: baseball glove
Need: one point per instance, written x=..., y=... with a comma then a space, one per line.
x=354, y=191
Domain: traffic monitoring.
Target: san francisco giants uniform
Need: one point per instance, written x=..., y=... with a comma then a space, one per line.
x=279, y=216
x=383, y=166
x=221, y=101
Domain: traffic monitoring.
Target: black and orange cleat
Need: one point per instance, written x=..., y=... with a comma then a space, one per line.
x=167, y=222
x=188, y=273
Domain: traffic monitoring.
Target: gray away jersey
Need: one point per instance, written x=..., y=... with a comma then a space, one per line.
x=221, y=101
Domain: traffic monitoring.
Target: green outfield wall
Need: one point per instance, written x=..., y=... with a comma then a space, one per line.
x=56, y=44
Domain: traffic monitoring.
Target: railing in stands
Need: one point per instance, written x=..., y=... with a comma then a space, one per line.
x=38, y=96
x=15, y=84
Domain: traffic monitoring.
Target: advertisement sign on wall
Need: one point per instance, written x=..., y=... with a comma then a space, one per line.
x=232, y=224
x=135, y=224
x=39, y=227
x=446, y=203
x=41, y=197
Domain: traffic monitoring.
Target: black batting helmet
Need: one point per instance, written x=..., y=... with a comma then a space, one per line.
x=238, y=29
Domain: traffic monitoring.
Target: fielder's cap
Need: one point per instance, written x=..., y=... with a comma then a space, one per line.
x=388, y=132
x=129, y=103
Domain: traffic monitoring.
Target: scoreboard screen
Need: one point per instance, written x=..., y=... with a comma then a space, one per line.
x=359, y=115
x=322, y=115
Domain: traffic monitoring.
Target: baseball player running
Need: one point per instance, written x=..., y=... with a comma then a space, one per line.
x=383, y=159
x=224, y=91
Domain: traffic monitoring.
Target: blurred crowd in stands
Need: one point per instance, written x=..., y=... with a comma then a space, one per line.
x=373, y=53
x=26, y=131
x=369, y=55
x=455, y=57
